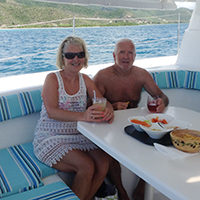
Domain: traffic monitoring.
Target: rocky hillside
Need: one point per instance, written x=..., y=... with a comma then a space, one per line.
x=29, y=13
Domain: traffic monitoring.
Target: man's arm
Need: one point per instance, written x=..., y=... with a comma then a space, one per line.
x=152, y=88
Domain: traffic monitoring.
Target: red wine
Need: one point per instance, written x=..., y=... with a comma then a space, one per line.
x=152, y=106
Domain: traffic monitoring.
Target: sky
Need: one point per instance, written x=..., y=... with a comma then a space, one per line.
x=189, y=5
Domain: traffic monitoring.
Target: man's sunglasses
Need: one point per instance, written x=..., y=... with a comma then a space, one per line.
x=72, y=55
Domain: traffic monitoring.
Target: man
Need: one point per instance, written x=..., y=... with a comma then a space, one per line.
x=122, y=85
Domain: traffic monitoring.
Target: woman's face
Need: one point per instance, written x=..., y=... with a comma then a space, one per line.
x=74, y=64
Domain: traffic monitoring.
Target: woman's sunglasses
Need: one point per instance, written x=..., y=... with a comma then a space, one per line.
x=72, y=55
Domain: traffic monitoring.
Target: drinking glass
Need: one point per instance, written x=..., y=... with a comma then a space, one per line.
x=152, y=103
x=100, y=101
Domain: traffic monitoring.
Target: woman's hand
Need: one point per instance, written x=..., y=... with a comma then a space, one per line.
x=94, y=114
x=108, y=115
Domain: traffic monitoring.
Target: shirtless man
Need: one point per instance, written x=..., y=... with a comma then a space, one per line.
x=122, y=83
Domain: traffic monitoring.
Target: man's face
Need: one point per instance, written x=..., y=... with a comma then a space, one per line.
x=125, y=55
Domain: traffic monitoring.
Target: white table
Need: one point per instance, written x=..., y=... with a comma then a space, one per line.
x=177, y=179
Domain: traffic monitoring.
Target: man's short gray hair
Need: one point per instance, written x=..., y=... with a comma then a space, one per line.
x=124, y=40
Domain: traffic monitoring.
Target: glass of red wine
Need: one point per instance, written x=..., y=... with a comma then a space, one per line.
x=152, y=103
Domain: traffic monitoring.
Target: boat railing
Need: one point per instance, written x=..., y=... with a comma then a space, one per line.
x=104, y=45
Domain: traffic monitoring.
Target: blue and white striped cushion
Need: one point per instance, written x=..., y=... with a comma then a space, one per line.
x=15, y=174
x=53, y=191
x=19, y=164
x=169, y=79
x=24, y=103
x=192, y=80
x=26, y=151
x=20, y=104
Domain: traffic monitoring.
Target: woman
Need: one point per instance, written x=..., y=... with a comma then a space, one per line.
x=57, y=141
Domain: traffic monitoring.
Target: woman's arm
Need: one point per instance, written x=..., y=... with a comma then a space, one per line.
x=90, y=85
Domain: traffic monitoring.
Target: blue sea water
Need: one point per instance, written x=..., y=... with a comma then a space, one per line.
x=34, y=50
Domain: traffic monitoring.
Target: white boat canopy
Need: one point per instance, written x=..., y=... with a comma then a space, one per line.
x=131, y=4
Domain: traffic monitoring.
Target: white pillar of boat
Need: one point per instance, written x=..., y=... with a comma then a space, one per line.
x=189, y=52
x=178, y=34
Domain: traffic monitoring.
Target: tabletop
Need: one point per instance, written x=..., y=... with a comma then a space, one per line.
x=177, y=179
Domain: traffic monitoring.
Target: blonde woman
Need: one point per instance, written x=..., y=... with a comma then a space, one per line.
x=57, y=141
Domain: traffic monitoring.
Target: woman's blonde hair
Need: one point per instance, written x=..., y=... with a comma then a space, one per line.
x=75, y=41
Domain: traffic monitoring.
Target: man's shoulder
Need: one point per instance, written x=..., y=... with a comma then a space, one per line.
x=104, y=72
x=107, y=69
x=102, y=76
x=140, y=70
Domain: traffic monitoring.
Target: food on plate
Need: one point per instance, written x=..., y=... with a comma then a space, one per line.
x=163, y=121
x=191, y=137
x=143, y=123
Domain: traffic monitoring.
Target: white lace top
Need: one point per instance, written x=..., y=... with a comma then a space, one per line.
x=52, y=138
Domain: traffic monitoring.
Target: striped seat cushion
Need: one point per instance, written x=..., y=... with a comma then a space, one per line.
x=20, y=170
x=24, y=103
x=53, y=191
x=177, y=79
x=192, y=80
x=15, y=174
x=20, y=104
x=26, y=151
x=169, y=79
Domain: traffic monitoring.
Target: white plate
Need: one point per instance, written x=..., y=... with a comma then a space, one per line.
x=155, y=131
x=178, y=124
x=137, y=126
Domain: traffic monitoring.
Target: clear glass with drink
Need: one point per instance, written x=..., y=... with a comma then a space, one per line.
x=152, y=103
x=101, y=102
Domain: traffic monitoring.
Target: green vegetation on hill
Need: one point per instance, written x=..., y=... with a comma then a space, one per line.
x=29, y=13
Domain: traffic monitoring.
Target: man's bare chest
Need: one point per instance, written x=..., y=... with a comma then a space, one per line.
x=123, y=89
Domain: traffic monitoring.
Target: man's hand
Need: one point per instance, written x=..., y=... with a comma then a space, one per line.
x=161, y=105
x=120, y=105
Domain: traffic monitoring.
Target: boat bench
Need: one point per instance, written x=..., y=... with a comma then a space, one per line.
x=181, y=86
x=177, y=79
x=21, y=176
x=55, y=191
x=25, y=103
x=20, y=172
